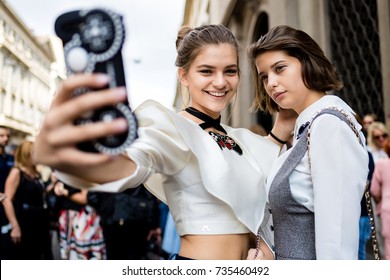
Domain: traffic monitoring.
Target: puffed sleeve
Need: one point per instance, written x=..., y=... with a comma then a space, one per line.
x=160, y=146
x=339, y=168
x=159, y=149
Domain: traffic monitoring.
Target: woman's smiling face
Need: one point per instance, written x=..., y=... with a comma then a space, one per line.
x=212, y=78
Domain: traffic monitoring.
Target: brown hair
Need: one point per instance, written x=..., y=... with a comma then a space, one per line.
x=190, y=41
x=318, y=73
x=23, y=154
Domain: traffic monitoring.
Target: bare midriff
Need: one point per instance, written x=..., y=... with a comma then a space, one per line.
x=215, y=247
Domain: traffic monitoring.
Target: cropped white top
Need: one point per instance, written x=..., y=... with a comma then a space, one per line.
x=209, y=190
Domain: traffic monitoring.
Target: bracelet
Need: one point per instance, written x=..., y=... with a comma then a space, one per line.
x=277, y=139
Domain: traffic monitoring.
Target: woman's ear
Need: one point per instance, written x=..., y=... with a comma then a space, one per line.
x=182, y=76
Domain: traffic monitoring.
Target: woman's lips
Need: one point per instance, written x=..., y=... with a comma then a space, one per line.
x=278, y=95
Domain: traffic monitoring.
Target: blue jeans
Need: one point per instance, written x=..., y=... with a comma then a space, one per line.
x=364, y=236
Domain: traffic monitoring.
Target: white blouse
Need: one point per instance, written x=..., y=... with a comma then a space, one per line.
x=209, y=190
x=333, y=186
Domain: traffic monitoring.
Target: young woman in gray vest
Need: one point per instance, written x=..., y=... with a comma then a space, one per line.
x=314, y=188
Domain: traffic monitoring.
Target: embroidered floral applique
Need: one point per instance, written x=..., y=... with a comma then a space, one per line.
x=225, y=141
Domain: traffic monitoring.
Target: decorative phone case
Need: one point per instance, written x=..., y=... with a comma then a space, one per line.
x=93, y=41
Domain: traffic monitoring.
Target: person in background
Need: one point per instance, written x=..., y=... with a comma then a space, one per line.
x=6, y=163
x=54, y=204
x=314, y=188
x=80, y=233
x=11, y=149
x=120, y=216
x=171, y=239
x=376, y=136
x=206, y=167
x=368, y=119
x=380, y=189
x=26, y=208
x=364, y=223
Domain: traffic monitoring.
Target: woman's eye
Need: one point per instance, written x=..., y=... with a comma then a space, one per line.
x=263, y=79
x=205, y=71
x=279, y=68
x=231, y=72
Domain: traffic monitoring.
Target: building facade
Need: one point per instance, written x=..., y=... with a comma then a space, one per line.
x=355, y=35
x=30, y=69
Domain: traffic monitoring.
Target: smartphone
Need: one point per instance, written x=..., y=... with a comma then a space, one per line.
x=92, y=41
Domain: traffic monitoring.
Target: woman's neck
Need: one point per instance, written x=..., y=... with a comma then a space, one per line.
x=211, y=113
x=207, y=122
x=313, y=97
x=29, y=170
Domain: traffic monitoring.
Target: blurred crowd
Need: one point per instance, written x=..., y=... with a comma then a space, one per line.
x=43, y=219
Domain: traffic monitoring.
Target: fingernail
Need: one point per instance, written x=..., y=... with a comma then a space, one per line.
x=121, y=124
x=102, y=78
x=120, y=92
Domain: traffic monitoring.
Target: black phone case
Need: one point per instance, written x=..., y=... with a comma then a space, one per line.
x=93, y=41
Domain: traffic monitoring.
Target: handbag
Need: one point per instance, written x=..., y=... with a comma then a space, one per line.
x=367, y=193
x=135, y=205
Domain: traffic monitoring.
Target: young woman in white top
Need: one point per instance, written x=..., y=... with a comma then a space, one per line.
x=213, y=178
x=314, y=197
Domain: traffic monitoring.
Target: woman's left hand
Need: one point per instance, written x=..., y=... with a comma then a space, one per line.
x=284, y=123
x=16, y=234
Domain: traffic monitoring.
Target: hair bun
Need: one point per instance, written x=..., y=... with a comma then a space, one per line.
x=181, y=34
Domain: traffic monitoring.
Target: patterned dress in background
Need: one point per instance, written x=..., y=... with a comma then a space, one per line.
x=81, y=236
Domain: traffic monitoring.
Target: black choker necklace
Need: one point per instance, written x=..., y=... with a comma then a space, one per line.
x=223, y=141
x=208, y=121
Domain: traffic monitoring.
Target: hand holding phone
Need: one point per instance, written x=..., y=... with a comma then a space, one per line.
x=93, y=41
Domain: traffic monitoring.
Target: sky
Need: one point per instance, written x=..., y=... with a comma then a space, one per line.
x=149, y=50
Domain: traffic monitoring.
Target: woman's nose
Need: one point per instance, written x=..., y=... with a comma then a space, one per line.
x=219, y=81
x=272, y=81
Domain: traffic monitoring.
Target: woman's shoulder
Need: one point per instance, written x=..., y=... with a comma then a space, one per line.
x=153, y=112
x=14, y=175
x=330, y=108
x=151, y=104
x=334, y=117
x=15, y=171
x=382, y=163
x=153, y=116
